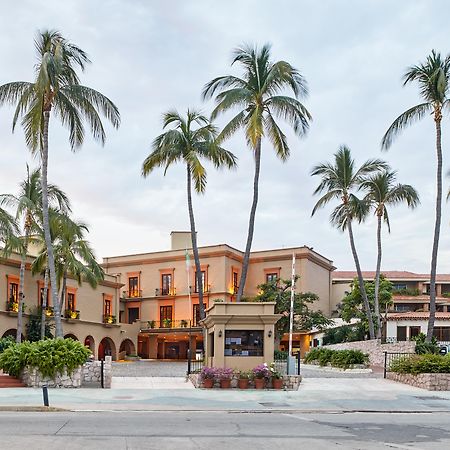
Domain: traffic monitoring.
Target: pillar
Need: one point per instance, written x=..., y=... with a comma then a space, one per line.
x=152, y=349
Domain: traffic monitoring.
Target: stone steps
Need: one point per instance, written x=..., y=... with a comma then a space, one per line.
x=7, y=381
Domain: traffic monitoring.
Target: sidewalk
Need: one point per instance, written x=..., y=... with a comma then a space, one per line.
x=314, y=395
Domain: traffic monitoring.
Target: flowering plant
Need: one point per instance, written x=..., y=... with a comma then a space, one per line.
x=245, y=374
x=225, y=373
x=208, y=373
x=274, y=373
x=261, y=371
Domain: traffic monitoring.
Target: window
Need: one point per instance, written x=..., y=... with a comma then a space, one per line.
x=244, y=343
x=166, y=283
x=271, y=277
x=13, y=292
x=414, y=331
x=401, y=333
x=107, y=307
x=442, y=334
x=165, y=316
x=399, y=286
x=203, y=282
x=133, y=287
x=235, y=282
x=71, y=301
x=133, y=315
x=196, y=314
x=41, y=296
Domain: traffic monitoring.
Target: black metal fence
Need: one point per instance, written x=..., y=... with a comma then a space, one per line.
x=281, y=363
x=390, y=357
x=195, y=363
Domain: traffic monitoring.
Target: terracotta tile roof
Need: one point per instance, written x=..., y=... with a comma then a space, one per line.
x=390, y=274
x=417, y=315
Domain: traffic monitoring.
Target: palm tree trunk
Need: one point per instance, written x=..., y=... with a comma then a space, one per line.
x=48, y=239
x=63, y=291
x=377, y=278
x=198, y=271
x=251, y=223
x=44, y=304
x=437, y=227
x=362, y=288
x=21, y=296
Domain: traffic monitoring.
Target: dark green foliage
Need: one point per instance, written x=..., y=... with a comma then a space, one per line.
x=50, y=356
x=416, y=364
x=344, y=359
x=423, y=347
x=412, y=292
x=305, y=318
x=33, y=327
x=6, y=342
x=280, y=354
x=345, y=333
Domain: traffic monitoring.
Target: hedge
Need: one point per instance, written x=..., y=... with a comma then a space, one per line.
x=49, y=356
x=416, y=364
x=343, y=359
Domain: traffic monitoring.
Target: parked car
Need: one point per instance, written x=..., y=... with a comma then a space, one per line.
x=444, y=349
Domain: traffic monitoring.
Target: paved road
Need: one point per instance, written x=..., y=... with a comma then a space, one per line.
x=221, y=430
x=150, y=369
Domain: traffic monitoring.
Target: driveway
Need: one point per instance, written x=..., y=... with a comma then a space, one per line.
x=149, y=369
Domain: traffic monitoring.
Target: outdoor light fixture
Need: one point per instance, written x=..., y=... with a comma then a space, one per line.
x=220, y=333
x=270, y=333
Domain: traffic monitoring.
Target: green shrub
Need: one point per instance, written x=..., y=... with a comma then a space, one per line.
x=416, y=364
x=50, y=356
x=280, y=354
x=423, y=347
x=343, y=359
x=6, y=342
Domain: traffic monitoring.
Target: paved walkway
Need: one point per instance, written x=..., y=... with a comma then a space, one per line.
x=314, y=395
x=149, y=368
x=151, y=383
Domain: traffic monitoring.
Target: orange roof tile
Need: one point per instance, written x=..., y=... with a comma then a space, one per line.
x=417, y=315
x=390, y=274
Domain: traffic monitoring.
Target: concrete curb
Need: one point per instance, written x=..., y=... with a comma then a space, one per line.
x=32, y=409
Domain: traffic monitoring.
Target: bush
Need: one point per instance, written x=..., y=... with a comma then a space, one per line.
x=345, y=333
x=6, y=342
x=280, y=354
x=416, y=364
x=50, y=356
x=343, y=359
x=423, y=347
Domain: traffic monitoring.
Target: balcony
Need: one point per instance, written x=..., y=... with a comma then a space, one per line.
x=72, y=314
x=109, y=320
x=162, y=292
x=135, y=293
x=168, y=323
x=206, y=289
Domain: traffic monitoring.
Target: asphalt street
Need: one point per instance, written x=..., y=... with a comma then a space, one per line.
x=222, y=430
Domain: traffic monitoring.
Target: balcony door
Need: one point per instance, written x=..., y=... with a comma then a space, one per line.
x=166, y=283
x=165, y=316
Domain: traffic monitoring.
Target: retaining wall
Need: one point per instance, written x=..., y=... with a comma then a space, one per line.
x=429, y=381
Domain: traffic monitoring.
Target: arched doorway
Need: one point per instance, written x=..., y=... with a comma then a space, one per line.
x=11, y=332
x=128, y=347
x=70, y=336
x=107, y=348
x=90, y=344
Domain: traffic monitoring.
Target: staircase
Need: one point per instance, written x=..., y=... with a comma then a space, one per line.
x=7, y=381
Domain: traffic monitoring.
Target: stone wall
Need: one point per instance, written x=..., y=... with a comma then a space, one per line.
x=290, y=382
x=33, y=378
x=429, y=381
x=92, y=372
x=375, y=349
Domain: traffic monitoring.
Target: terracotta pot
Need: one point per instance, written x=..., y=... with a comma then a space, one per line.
x=259, y=383
x=225, y=383
x=277, y=383
x=243, y=383
x=208, y=383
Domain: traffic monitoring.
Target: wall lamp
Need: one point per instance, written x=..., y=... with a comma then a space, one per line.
x=220, y=333
x=270, y=333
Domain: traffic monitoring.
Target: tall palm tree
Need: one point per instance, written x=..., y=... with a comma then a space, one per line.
x=28, y=205
x=432, y=77
x=339, y=181
x=383, y=191
x=192, y=139
x=259, y=96
x=56, y=88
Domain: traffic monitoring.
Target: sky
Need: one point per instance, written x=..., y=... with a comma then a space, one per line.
x=152, y=56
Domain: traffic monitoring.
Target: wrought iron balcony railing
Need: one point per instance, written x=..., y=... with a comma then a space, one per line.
x=135, y=293
x=168, y=323
x=171, y=291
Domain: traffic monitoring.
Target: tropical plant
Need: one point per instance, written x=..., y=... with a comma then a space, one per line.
x=426, y=363
x=56, y=88
x=432, y=77
x=383, y=191
x=191, y=140
x=34, y=325
x=28, y=206
x=6, y=342
x=339, y=181
x=423, y=347
x=259, y=96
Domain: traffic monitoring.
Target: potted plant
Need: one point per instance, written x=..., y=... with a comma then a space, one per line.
x=277, y=378
x=151, y=323
x=208, y=376
x=244, y=378
x=184, y=323
x=167, y=323
x=225, y=375
x=261, y=374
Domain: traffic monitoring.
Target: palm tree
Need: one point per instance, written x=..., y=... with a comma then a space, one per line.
x=432, y=77
x=56, y=88
x=258, y=95
x=28, y=205
x=383, y=191
x=339, y=180
x=191, y=139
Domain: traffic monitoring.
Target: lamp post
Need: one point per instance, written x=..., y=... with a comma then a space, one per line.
x=291, y=360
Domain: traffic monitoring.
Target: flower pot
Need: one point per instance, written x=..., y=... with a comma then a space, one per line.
x=259, y=383
x=243, y=383
x=208, y=383
x=225, y=383
x=277, y=383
